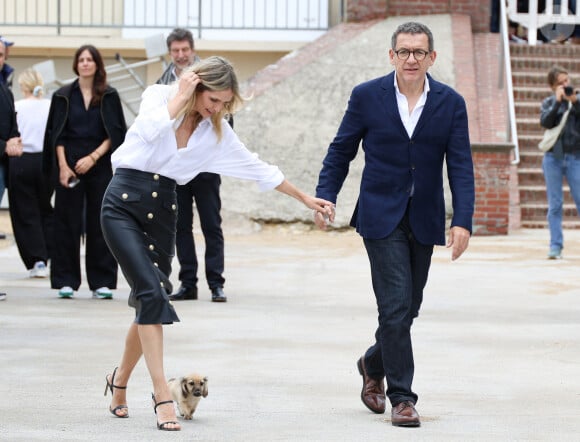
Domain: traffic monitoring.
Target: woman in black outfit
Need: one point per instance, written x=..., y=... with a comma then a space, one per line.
x=85, y=125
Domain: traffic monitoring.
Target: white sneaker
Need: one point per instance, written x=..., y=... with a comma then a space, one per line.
x=39, y=270
x=103, y=293
x=555, y=253
x=66, y=292
x=2, y=296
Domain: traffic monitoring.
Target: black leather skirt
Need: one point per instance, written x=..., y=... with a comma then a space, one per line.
x=138, y=220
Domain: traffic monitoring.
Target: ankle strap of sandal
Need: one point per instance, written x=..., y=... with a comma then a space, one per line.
x=157, y=404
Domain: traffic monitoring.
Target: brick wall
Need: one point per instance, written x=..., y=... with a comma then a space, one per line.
x=493, y=173
x=478, y=10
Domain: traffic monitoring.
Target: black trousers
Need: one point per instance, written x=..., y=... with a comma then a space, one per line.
x=399, y=270
x=31, y=212
x=205, y=190
x=77, y=210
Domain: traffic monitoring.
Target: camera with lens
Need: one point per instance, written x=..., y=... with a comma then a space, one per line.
x=568, y=90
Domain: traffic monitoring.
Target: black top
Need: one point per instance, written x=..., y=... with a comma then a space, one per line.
x=84, y=129
x=110, y=117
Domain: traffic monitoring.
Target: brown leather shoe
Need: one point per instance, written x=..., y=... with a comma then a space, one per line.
x=404, y=415
x=373, y=390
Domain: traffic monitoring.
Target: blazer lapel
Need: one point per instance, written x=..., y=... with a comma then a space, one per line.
x=389, y=100
x=433, y=101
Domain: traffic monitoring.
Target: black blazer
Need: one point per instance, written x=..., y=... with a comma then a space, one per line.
x=8, y=125
x=111, y=113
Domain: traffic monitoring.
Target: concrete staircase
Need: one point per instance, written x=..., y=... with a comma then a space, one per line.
x=530, y=65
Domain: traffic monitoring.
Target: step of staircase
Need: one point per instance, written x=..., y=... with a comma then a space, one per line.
x=531, y=159
x=526, y=109
x=534, y=94
x=544, y=64
x=529, y=126
x=536, y=194
x=539, y=78
x=538, y=211
x=539, y=224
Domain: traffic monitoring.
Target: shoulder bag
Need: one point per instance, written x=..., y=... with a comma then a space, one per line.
x=551, y=135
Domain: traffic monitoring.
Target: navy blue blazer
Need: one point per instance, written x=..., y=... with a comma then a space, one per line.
x=395, y=163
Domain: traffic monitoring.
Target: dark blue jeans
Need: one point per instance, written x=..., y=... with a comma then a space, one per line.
x=399, y=270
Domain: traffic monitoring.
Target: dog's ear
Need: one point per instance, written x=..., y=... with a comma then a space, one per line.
x=204, y=391
x=184, y=390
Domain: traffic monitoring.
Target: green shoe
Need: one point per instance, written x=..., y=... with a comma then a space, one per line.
x=555, y=253
x=66, y=292
x=103, y=293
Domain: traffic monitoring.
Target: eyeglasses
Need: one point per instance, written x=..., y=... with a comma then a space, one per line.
x=418, y=54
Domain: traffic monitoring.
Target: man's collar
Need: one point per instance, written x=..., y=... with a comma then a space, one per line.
x=426, y=87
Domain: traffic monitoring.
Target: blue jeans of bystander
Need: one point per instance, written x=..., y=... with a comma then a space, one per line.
x=555, y=169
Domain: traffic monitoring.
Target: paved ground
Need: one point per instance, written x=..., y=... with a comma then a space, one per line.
x=497, y=347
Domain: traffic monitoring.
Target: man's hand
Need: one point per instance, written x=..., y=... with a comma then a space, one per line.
x=458, y=240
x=322, y=220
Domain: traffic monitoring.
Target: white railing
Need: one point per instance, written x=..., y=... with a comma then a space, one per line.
x=70, y=16
x=556, y=19
x=506, y=74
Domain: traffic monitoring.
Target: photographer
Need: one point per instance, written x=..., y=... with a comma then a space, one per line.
x=563, y=159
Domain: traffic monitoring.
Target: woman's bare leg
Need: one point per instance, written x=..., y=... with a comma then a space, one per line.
x=131, y=355
x=152, y=344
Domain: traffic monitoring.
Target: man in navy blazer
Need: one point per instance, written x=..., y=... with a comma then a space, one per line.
x=408, y=124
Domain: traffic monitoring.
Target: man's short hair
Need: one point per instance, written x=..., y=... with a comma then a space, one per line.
x=6, y=42
x=412, y=27
x=180, y=34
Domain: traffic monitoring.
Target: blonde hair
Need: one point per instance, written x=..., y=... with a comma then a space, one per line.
x=31, y=81
x=216, y=74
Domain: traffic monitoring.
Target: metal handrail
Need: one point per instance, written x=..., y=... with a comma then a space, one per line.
x=505, y=55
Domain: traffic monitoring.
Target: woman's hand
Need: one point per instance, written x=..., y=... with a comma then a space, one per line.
x=65, y=175
x=84, y=164
x=323, y=207
x=186, y=88
x=187, y=84
x=14, y=147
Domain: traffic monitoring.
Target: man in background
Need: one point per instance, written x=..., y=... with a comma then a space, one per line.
x=6, y=71
x=204, y=189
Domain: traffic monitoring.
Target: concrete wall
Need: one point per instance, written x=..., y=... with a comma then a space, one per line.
x=292, y=122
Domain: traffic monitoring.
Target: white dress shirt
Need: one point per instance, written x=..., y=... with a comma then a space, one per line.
x=31, y=115
x=150, y=146
x=410, y=119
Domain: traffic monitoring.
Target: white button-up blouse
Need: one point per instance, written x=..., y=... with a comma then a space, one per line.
x=150, y=146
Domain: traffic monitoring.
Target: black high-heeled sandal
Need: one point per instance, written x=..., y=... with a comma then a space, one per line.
x=110, y=386
x=162, y=426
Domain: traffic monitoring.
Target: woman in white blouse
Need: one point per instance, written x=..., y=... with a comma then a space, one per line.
x=179, y=132
x=31, y=212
